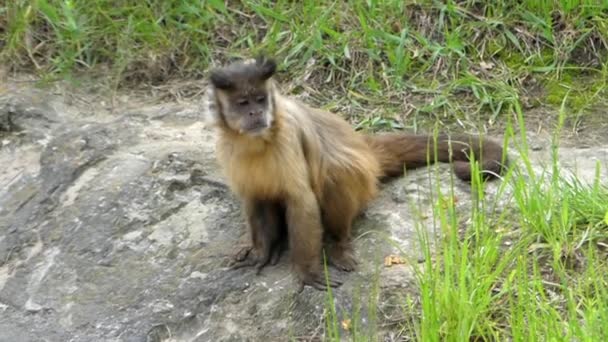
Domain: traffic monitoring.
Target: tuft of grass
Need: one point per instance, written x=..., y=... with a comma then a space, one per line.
x=536, y=271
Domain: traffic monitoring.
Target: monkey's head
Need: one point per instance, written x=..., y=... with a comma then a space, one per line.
x=243, y=95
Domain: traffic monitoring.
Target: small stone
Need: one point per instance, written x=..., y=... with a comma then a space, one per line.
x=399, y=195
x=131, y=236
x=162, y=306
x=32, y=306
x=198, y=275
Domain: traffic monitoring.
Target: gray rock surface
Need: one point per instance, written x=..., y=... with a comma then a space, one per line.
x=118, y=228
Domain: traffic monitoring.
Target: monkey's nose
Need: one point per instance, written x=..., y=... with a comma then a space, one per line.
x=255, y=113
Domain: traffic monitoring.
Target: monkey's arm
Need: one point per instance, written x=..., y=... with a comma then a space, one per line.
x=264, y=220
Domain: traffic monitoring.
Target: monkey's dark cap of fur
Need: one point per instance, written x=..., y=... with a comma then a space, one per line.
x=243, y=71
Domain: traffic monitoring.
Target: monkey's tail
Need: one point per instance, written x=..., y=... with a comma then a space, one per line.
x=396, y=152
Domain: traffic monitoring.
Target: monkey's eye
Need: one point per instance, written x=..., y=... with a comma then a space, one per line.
x=261, y=98
x=242, y=102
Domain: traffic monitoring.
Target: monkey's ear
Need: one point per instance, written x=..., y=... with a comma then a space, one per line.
x=267, y=67
x=221, y=80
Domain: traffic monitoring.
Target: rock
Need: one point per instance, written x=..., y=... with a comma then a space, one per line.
x=117, y=228
x=26, y=111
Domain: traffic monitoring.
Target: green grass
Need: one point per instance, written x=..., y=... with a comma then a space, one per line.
x=400, y=60
x=550, y=282
x=531, y=268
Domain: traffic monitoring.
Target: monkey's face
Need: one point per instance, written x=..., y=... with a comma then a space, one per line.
x=247, y=111
x=243, y=93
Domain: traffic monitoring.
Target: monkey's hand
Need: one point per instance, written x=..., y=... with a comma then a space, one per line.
x=246, y=256
x=242, y=254
x=249, y=256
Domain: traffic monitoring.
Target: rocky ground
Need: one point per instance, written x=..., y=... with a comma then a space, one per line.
x=117, y=227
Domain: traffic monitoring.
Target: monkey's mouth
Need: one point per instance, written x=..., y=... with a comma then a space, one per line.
x=256, y=129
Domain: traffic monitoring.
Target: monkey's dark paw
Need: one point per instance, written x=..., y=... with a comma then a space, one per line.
x=245, y=257
x=345, y=264
x=343, y=260
x=249, y=262
x=318, y=281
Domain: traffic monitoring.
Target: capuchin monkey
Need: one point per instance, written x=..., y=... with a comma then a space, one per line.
x=303, y=174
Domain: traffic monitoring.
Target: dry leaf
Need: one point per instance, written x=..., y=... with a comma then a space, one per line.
x=346, y=324
x=393, y=260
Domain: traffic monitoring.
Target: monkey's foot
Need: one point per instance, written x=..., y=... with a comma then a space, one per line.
x=318, y=281
x=342, y=258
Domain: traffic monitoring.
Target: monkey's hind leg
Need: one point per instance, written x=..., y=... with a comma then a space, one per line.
x=267, y=229
x=339, y=212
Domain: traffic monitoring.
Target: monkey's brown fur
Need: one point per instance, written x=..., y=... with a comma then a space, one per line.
x=308, y=169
